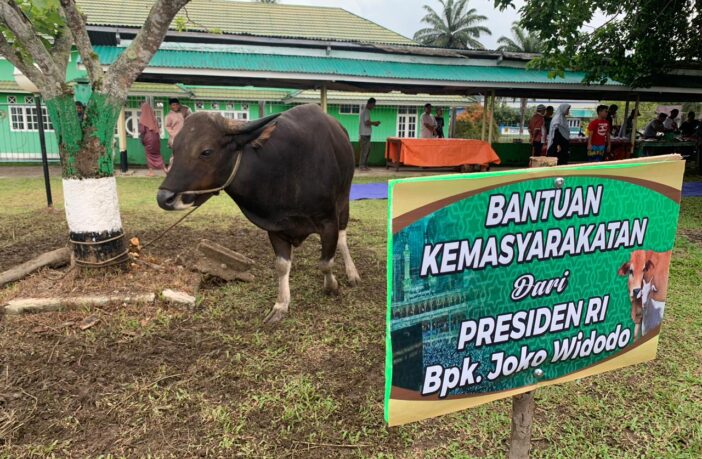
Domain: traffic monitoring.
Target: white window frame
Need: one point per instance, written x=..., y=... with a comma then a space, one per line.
x=27, y=113
x=350, y=109
x=133, y=114
x=239, y=115
x=404, y=116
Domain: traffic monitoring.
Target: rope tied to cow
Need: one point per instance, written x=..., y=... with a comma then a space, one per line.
x=228, y=182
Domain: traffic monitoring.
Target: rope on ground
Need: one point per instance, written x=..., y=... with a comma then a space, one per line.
x=169, y=228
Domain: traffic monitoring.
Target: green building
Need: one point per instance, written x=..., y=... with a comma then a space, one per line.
x=398, y=113
x=247, y=60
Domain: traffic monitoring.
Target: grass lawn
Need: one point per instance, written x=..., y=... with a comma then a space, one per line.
x=158, y=381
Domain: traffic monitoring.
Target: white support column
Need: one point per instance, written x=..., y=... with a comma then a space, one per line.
x=633, y=126
x=485, y=117
x=122, y=131
x=323, y=94
x=491, y=115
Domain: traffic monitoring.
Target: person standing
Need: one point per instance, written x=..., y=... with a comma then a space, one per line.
x=599, y=140
x=365, y=130
x=612, y=116
x=174, y=123
x=559, y=135
x=628, y=124
x=150, y=136
x=428, y=123
x=439, y=118
x=80, y=110
x=536, y=130
x=548, y=116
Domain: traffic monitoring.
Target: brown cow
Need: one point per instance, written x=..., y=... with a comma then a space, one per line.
x=648, y=288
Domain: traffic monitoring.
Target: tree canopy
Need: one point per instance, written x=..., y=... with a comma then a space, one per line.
x=455, y=26
x=638, y=43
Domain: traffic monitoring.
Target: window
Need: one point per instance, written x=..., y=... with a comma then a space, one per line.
x=407, y=122
x=11, y=99
x=28, y=99
x=24, y=118
x=574, y=123
x=131, y=121
x=232, y=114
x=349, y=109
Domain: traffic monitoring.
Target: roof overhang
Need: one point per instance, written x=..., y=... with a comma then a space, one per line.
x=372, y=71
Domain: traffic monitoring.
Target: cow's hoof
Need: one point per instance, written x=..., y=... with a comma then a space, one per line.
x=275, y=316
x=331, y=286
x=354, y=279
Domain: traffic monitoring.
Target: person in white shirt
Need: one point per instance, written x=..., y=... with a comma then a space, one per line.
x=365, y=128
x=428, y=123
x=670, y=124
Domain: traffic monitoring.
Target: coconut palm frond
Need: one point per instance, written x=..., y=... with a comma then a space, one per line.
x=456, y=27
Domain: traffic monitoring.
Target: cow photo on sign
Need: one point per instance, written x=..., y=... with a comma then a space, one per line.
x=290, y=175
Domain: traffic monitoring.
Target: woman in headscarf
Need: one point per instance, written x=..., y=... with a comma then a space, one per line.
x=150, y=135
x=559, y=135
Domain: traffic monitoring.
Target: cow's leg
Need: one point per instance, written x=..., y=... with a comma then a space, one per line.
x=351, y=272
x=329, y=236
x=283, y=261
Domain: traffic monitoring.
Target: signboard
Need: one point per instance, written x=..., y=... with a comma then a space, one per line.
x=499, y=283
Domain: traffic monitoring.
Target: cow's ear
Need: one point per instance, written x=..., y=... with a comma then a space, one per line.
x=649, y=265
x=255, y=138
x=624, y=269
x=266, y=134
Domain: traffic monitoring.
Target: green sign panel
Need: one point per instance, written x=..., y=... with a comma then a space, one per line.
x=500, y=283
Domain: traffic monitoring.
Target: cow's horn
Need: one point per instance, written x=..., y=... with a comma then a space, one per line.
x=237, y=127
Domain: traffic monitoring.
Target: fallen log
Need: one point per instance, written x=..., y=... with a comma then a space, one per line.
x=55, y=258
x=33, y=305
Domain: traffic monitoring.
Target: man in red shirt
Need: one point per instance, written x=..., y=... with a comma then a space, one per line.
x=536, y=130
x=599, y=141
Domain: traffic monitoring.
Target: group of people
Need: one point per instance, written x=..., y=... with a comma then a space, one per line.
x=431, y=127
x=549, y=132
x=150, y=132
x=662, y=123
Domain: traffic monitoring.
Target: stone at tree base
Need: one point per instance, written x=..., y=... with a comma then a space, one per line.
x=178, y=297
x=215, y=268
x=232, y=259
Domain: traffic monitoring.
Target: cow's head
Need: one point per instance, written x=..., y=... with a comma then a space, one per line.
x=636, y=269
x=204, y=154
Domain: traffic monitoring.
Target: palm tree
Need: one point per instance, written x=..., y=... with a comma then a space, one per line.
x=456, y=26
x=522, y=42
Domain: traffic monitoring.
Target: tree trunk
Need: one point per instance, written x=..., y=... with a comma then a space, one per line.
x=522, y=420
x=89, y=187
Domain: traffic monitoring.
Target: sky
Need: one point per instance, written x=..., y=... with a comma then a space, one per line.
x=404, y=16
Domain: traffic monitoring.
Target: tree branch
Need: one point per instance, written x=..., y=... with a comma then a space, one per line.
x=125, y=70
x=75, y=22
x=29, y=70
x=61, y=49
x=24, y=32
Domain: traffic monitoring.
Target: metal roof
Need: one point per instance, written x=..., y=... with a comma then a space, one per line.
x=238, y=93
x=157, y=89
x=10, y=86
x=394, y=98
x=347, y=66
x=250, y=18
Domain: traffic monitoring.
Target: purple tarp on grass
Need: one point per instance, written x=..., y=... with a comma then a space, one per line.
x=369, y=191
x=380, y=190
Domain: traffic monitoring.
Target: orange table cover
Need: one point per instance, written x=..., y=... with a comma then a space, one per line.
x=439, y=152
